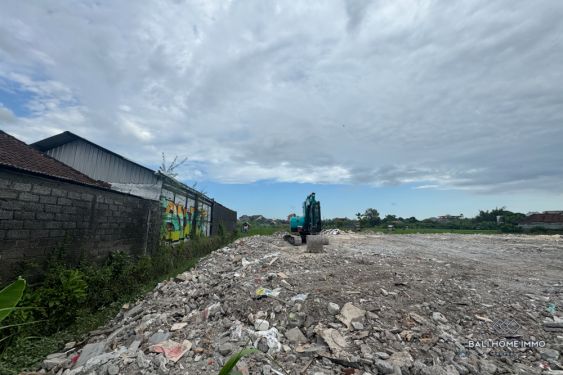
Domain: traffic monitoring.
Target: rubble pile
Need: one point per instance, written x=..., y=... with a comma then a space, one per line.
x=354, y=309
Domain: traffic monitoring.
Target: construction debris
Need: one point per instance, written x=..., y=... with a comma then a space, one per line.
x=411, y=305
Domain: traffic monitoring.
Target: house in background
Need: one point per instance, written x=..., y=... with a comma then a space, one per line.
x=545, y=220
x=186, y=211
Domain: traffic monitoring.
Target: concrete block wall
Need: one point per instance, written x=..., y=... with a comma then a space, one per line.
x=38, y=215
x=221, y=215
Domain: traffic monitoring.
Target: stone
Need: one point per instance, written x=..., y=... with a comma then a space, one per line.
x=547, y=353
x=383, y=367
x=261, y=325
x=439, y=317
x=113, y=370
x=335, y=341
x=351, y=313
x=69, y=345
x=333, y=308
x=90, y=351
x=403, y=360
x=382, y=355
x=357, y=326
x=51, y=363
x=178, y=326
x=142, y=361
x=295, y=336
x=225, y=349
x=487, y=367
x=159, y=336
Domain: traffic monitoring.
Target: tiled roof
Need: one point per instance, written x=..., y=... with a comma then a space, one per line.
x=544, y=218
x=16, y=154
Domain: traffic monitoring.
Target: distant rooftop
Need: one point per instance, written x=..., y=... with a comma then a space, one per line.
x=546, y=217
x=67, y=137
x=18, y=155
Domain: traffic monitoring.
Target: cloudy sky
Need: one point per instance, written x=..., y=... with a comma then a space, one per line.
x=414, y=107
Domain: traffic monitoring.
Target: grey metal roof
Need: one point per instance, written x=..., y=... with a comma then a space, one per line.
x=67, y=137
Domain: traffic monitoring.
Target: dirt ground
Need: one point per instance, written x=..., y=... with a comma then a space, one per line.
x=407, y=304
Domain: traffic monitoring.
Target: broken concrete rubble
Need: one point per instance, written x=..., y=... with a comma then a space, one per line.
x=422, y=324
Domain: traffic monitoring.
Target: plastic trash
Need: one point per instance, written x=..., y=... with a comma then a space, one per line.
x=271, y=338
x=172, y=350
x=300, y=297
x=264, y=292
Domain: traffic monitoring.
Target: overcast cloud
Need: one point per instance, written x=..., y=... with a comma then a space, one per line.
x=439, y=94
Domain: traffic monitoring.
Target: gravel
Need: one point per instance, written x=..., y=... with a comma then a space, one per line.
x=411, y=304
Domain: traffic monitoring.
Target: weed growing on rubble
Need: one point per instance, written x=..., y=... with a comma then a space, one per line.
x=229, y=366
x=73, y=300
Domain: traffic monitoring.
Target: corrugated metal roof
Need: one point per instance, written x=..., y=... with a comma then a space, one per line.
x=16, y=154
x=68, y=137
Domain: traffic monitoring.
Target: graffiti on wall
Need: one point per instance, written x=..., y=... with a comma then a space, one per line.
x=177, y=220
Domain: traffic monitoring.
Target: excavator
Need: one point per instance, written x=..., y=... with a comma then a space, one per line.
x=309, y=223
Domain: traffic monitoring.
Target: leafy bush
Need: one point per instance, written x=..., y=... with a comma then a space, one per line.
x=61, y=296
x=69, y=295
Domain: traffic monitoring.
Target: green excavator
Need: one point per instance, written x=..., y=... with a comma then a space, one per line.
x=309, y=223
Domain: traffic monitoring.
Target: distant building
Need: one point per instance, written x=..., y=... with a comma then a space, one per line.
x=186, y=211
x=449, y=217
x=545, y=220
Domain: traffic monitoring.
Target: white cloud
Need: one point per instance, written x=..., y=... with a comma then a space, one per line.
x=460, y=95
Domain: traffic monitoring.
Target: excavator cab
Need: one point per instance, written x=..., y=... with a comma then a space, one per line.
x=309, y=223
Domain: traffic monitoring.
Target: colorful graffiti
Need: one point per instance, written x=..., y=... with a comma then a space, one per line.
x=177, y=220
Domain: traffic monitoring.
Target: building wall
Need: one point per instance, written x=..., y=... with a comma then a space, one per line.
x=124, y=175
x=184, y=214
x=221, y=215
x=543, y=225
x=39, y=214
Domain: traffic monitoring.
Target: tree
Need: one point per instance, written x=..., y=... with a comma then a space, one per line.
x=370, y=218
x=170, y=169
x=389, y=219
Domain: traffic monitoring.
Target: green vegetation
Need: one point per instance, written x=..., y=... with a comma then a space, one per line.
x=484, y=222
x=263, y=230
x=229, y=367
x=10, y=296
x=73, y=300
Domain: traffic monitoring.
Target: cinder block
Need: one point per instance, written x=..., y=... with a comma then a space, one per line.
x=21, y=186
x=40, y=233
x=17, y=234
x=33, y=224
x=87, y=197
x=52, y=208
x=11, y=224
x=74, y=195
x=53, y=225
x=48, y=199
x=24, y=215
x=58, y=192
x=39, y=189
x=28, y=197
x=6, y=215
x=64, y=201
x=8, y=194
x=56, y=233
x=44, y=216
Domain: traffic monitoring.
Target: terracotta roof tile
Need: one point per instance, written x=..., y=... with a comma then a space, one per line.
x=16, y=154
x=544, y=218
